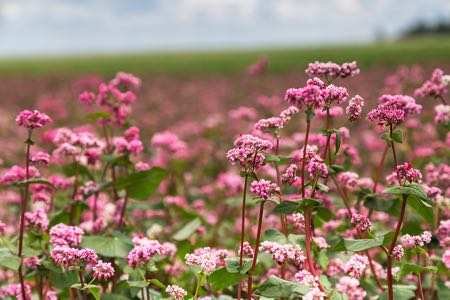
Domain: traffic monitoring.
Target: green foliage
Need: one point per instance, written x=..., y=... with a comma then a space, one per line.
x=115, y=246
x=9, y=260
x=407, y=269
x=222, y=279
x=187, y=230
x=142, y=184
x=275, y=287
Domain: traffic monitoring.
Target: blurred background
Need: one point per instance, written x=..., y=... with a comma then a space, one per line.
x=218, y=54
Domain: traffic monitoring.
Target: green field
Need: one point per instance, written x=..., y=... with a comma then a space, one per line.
x=430, y=50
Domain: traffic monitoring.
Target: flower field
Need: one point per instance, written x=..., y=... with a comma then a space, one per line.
x=275, y=179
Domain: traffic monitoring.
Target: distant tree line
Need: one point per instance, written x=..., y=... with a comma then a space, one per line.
x=422, y=28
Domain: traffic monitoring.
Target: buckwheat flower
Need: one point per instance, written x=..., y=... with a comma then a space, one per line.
x=41, y=158
x=403, y=102
x=176, y=292
x=426, y=237
x=333, y=112
x=317, y=167
x=65, y=235
x=406, y=172
x=264, y=188
x=350, y=287
x=243, y=113
x=349, y=180
x=445, y=80
x=31, y=262
x=37, y=219
x=306, y=278
x=386, y=114
x=103, y=270
x=398, y=252
x=15, y=290
x=131, y=134
x=288, y=112
x=356, y=265
x=442, y=114
x=126, y=80
x=323, y=69
x=205, y=260
x=73, y=258
x=321, y=242
x=16, y=174
x=87, y=98
x=310, y=154
x=298, y=219
x=270, y=124
x=314, y=294
x=283, y=252
x=335, y=94
x=289, y=177
x=335, y=267
x=361, y=222
x=446, y=258
x=443, y=233
x=433, y=87
x=142, y=166
x=252, y=142
x=312, y=95
x=354, y=108
x=144, y=252
x=247, y=250
x=32, y=119
x=349, y=69
x=409, y=241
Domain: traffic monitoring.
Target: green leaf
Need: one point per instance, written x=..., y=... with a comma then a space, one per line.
x=9, y=260
x=408, y=189
x=338, y=141
x=309, y=202
x=407, y=269
x=115, y=246
x=232, y=265
x=274, y=235
x=322, y=187
x=141, y=185
x=157, y=283
x=323, y=258
x=397, y=136
x=401, y=292
x=188, y=229
x=35, y=181
x=222, y=279
x=275, y=287
x=361, y=244
x=114, y=296
x=286, y=208
x=92, y=288
x=271, y=158
x=63, y=280
x=97, y=115
x=424, y=209
x=138, y=284
x=73, y=169
x=385, y=136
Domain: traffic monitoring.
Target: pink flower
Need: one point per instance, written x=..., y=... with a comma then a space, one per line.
x=298, y=219
x=143, y=253
x=126, y=80
x=350, y=287
x=103, y=270
x=264, y=188
x=73, y=258
x=443, y=233
x=15, y=290
x=349, y=180
x=442, y=114
x=432, y=88
x=409, y=241
x=16, y=174
x=247, y=250
x=288, y=112
x=317, y=167
x=406, y=172
x=32, y=119
x=335, y=267
x=361, y=222
x=398, y=252
x=65, y=235
x=32, y=262
x=332, y=70
x=335, y=94
x=356, y=265
x=269, y=125
x=176, y=292
x=446, y=258
x=313, y=95
x=283, y=252
x=354, y=108
x=87, y=97
x=289, y=177
x=41, y=158
x=37, y=219
x=207, y=258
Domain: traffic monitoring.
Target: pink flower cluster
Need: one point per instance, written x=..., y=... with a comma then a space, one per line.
x=73, y=258
x=354, y=108
x=289, y=177
x=264, y=188
x=143, y=252
x=247, y=151
x=332, y=70
x=103, y=270
x=41, y=158
x=409, y=241
x=247, y=250
x=408, y=173
x=350, y=287
x=361, y=222
x=129, y=143
x=298, y=219
x=32, y=119
x=434, y=87
x=398, y=252
x=16, y=174
x=283, y=252
x=313, y=95
x=446, y=258
x=65, y=235
x=270, y=124
x=356, y=265
x=37, y=219
x=207, y=258
x=442, y=114
x=15, y=290
x=317, y=167
x=176, y=292
x=443, y=233
x=349, y=180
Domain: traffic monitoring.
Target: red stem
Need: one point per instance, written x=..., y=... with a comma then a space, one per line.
x=308, y=123
x=308, y=214
x=256, y=251
x=242, y=235
x=380, y=168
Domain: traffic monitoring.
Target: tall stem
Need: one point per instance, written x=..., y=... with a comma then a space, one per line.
x=380, y=168
x=312, y=270
x=23, y=208
x=308, y=124
x=124, y=206
x=255, y=252
x=244, y=195
x=393, y=146
x=199, y=284
x=391, y=249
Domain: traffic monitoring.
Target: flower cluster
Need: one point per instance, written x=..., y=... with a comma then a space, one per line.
x=443, y=233
x=207, y=258
x=283, y=252
x=356, y=265
x=434, y=87
x=313, y=95
x=176, y=292
x=361, y=222
x=354, y=108
x=442, y=114
x=73, y=258
x=247, y=151
x=406, y=172
x=103, y=270
x=37, y=219
x=289, y=177
x=398, y=252
x=317, y=167
x=65, y=235
x=349, y=180
x=16, y=174
x=142, y=253
x=264, y=188
x=32, y=119
x=332, y=70
x=414, y=241
x=270, y=124
x=15, y=290
x=350, y=287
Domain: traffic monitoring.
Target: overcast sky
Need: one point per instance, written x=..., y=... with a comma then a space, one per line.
x=36, y=27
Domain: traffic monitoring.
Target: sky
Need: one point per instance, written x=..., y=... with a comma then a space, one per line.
x=60, y=27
